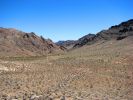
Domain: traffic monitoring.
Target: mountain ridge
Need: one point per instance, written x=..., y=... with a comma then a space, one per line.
x=117, y=32
x=15, y=43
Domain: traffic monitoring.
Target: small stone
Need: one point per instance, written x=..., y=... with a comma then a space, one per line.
x=62, y=98
x=33, y=97
x=50, y=98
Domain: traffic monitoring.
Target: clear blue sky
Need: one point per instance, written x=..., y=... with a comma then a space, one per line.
x=64, y=19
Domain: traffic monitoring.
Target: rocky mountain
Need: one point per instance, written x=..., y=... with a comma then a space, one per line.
x=76, y=43
x=17, y=43
x=117, y=32
x=83, y=40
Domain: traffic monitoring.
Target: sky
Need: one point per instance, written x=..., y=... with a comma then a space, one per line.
x=64, y=19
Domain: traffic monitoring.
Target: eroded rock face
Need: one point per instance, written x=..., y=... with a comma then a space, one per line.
x=14, y=42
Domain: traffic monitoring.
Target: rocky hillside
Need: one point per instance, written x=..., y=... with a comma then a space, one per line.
x=17, y=43
x=84, y=40
x=76, y=43
x=117, y=32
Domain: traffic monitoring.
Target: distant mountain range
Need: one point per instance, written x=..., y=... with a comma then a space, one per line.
x=117, y=32
x=17, y=43
x=67, y=44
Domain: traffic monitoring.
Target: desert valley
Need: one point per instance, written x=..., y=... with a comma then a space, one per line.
x=94, y=67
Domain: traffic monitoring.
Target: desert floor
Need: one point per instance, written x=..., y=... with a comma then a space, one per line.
x=103, y=71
